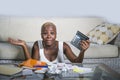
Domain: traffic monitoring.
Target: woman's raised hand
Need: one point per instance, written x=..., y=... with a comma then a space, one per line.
x=16, y=42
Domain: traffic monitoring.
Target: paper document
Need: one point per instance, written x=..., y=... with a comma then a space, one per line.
x=27, y=72
x=6, y=69
x=82, y=70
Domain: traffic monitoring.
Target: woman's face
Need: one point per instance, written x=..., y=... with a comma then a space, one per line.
x=48, y=35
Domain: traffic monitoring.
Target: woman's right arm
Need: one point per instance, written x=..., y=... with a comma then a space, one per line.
x=23, y=44
x=35, y=51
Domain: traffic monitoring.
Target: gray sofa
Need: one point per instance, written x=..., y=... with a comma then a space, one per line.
x=112, y=62
x=28, y=29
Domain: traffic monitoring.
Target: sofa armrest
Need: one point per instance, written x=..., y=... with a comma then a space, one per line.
x=116, y=41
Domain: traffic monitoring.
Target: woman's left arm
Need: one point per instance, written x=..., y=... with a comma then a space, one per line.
x=84, y=45
x=70, y=54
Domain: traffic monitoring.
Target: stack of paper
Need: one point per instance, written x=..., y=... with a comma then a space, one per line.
x=9, y=69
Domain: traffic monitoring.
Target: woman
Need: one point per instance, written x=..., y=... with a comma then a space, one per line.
x=49, y=49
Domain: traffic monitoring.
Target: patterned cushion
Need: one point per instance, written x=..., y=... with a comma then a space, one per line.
x=104, y=33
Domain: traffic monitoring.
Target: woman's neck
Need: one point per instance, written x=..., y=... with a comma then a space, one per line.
x=53, y=46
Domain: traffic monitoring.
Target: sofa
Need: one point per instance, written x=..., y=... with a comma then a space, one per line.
x=28, y=29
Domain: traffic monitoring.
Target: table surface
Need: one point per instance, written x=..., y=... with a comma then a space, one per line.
x=101, y=72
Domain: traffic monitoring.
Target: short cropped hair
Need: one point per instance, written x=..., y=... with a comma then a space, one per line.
x=48, y=24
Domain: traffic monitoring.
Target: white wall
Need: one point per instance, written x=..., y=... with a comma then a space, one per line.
x=65, y=8
x=28, y=28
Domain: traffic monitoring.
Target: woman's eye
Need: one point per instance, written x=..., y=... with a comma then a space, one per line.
x=52, y=33
x=44, y=33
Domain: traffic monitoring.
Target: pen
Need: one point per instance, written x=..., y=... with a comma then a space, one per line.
x=38, y=66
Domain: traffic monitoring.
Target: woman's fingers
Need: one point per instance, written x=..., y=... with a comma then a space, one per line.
x=85, y=44
x=13, y=41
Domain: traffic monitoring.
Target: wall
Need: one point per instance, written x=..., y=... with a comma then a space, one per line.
x=28, y=28
x=108, y=9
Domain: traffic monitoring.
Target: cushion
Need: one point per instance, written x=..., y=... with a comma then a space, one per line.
x=97, y=51
x=9, y=51
x=103, y=33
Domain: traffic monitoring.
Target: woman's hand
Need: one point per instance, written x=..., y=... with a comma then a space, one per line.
x=21, y=43
x=17, y=42
x=85, y=44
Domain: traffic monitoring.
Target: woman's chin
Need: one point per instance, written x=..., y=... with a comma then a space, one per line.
x=48, y=43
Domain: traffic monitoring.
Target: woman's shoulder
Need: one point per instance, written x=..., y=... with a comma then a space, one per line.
x=35, y=43
x=65, y=45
